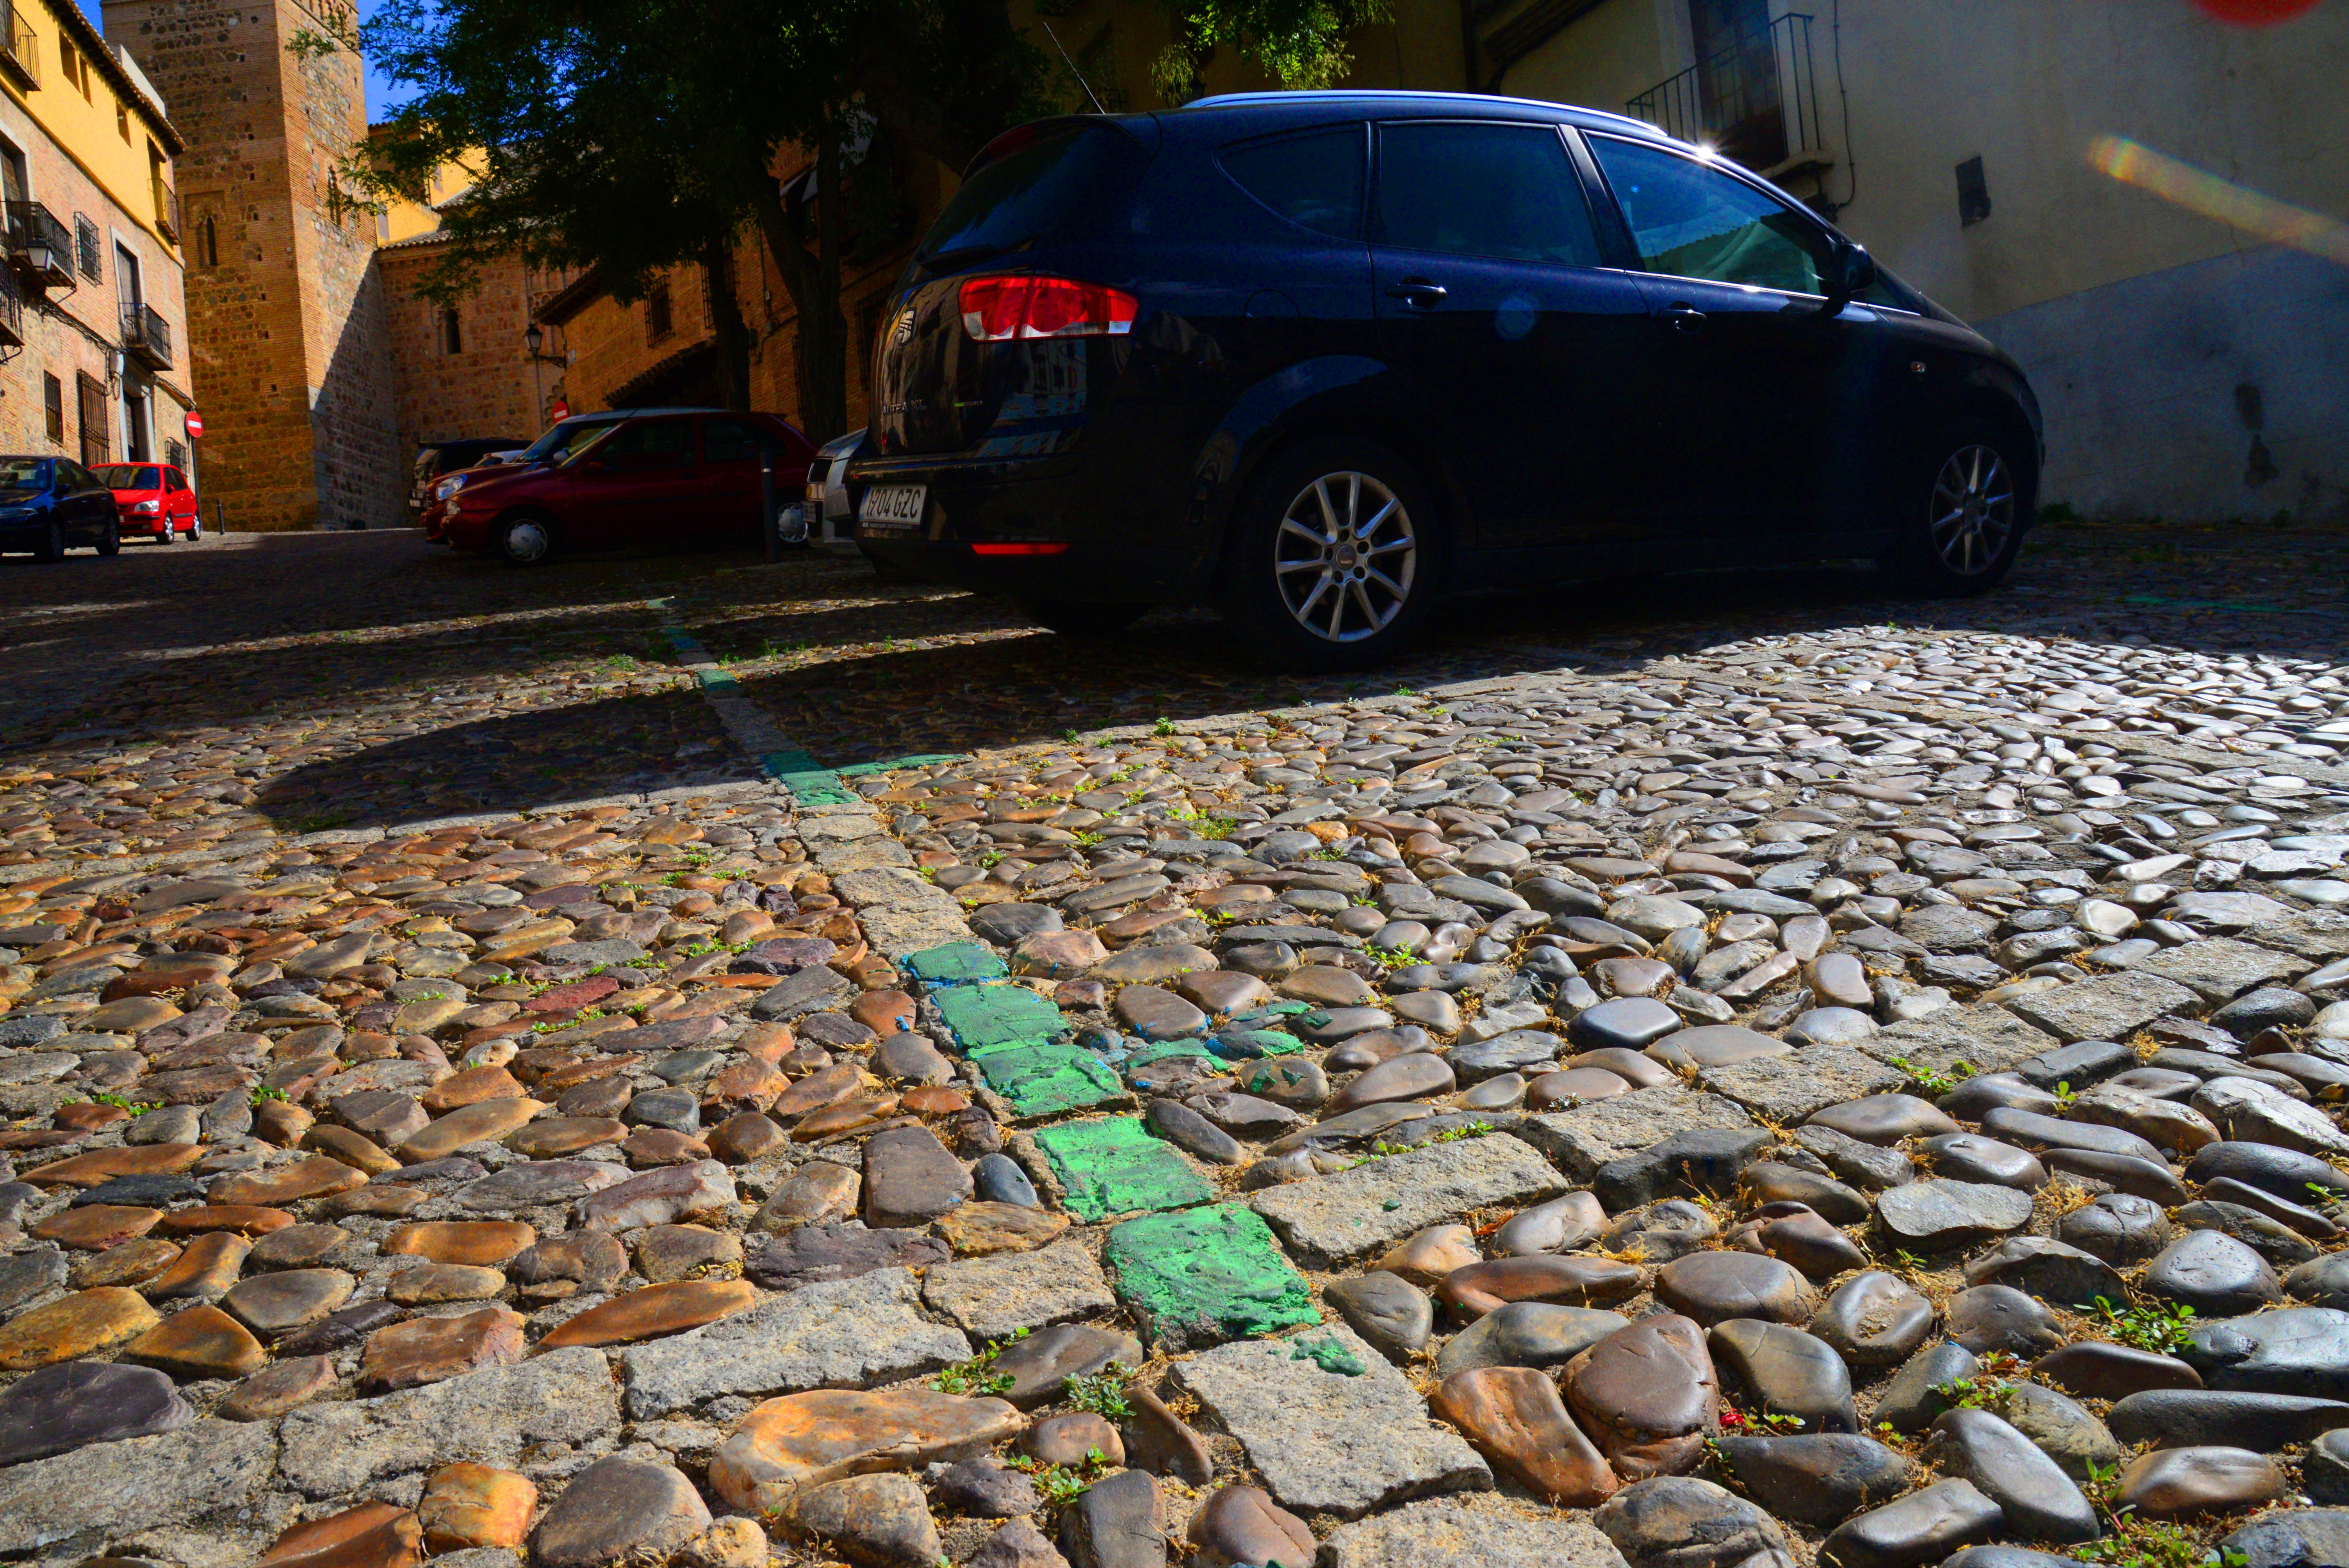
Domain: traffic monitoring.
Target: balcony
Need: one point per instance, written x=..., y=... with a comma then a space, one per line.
x=12, y=311
x=1755, y=101
x=20, y=58
x=39, y=245
x=146, y=336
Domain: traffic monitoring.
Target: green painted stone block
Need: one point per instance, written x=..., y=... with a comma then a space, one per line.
x=1246, y=1044
x=983, y=1016
x=1151, y=1051
x=957, y=964
x=1047, y=1077
x=1204, y=1275
x=1114, y=1167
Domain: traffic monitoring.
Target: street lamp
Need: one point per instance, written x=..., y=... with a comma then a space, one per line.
x=533, y=335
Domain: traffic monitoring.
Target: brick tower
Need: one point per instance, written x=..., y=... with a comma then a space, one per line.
x=286, y=313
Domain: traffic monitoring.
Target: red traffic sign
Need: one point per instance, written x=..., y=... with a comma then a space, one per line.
x=558, y=409
x=195, y=425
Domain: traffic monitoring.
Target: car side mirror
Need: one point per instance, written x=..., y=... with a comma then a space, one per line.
x=1851, y=272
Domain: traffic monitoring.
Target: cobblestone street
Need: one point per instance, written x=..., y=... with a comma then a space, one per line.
x=692, y=1060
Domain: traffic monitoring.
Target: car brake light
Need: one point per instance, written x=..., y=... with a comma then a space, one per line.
x=1017, y=548
x=1000, y=308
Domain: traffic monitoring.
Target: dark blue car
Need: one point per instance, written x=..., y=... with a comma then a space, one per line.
x=49, y=505
x=1319, y=357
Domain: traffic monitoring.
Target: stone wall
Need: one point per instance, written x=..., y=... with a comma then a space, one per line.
x=483, y=390
x=285, y=315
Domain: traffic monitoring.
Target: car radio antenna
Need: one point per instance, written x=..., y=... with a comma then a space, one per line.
x=1073, y=66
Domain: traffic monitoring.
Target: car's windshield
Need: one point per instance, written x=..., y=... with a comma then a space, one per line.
x=23, y=473
x=562, y=441
x=585, y=440
x=128, y=475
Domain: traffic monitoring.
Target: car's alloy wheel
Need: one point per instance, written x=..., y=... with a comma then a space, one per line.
x=1972, y=510
x=168, y=535
x=196, y=528
x=1346, y=557
x=526, y=541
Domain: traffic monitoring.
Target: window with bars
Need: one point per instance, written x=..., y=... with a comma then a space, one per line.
x=176, y=454
x=94, y=423
x=87, y=248
x=658, y=323
x=53, y=400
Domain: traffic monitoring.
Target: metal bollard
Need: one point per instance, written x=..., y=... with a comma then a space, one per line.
x=768, y=523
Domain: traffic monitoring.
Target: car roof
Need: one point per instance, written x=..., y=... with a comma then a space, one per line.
x=1309, y=105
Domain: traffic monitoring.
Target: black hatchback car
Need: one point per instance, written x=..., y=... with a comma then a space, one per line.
x=48, y=505
x=1320, y=357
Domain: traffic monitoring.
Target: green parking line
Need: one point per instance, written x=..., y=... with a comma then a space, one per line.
x=811, y=783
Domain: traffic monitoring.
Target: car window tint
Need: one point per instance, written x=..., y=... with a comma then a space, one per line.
x=1313, y=180
x=74, y=477
x=23, y=473
x=1693, y=221
x=1039, y=182
x=657, y=443
x=1501, y=190
x=175, y=478
x=733, y=441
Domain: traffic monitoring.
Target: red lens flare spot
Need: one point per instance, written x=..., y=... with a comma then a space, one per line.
x=2255, y=13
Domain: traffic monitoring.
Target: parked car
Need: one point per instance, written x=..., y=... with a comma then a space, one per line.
x=667, y=476
x=153, y=500
x=51, y=505
x=1405, y=344
x=436, y=459
x=551, y=447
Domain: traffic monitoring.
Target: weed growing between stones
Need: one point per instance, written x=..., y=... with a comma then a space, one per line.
x=975, y=1375
x=2162, y=1330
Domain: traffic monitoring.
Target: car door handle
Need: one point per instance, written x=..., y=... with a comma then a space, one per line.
x=1684, y=317
x=1418, y=292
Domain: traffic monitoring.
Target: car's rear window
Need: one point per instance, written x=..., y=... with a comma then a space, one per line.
x=1036, y=190
x=1314, y=181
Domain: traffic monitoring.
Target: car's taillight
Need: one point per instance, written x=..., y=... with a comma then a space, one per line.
x=1000, y=308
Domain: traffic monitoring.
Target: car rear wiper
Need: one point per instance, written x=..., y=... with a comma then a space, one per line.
x=958, y=256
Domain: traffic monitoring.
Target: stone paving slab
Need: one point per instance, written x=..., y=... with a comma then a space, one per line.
x=846, y=1334
x=1447, y=1532
x=111, y=1489
x=1340, y=1440
x=1580, y=1141
x=978, y=1017
x=2222, y=968
x=1785, y=1090
x=1986, y=1038
x=494, y=1417
x=1049, y=1077
x=1327, y=1219
x=996, y=1296
x=2105, y=1007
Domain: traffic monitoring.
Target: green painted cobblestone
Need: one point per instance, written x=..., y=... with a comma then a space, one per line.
x=1246, y=1044
x=1113, y=1167
x=1046, y=1078
x=955, y=964
x=983, y=1016
x=1204, y=1275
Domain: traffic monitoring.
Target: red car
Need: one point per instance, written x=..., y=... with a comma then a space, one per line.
x=666, y=479
x=154, y=499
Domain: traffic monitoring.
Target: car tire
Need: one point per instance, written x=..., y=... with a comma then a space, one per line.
x=110, y=537
x=1380, y=559
x=1960, y=510
x=196, y=528
x=53, y=546
x=1082, y=617
x=525, y=538
x=169, y=535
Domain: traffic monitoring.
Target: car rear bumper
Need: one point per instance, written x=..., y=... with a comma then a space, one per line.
x=1030, y=529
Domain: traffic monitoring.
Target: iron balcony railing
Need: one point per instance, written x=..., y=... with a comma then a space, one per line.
x=20, y=57
x=11, y=310
x=1755, y=101
x=40, y=244
x=147, y=336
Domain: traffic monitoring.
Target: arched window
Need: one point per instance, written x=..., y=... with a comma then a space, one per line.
x=453, y=335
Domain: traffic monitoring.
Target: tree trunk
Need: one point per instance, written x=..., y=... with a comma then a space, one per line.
x=725, y=319
x=806, y=245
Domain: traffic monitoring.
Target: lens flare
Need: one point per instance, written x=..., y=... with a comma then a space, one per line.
x=2182, y=184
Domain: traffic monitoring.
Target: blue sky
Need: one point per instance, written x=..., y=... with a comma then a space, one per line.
x=379, y=95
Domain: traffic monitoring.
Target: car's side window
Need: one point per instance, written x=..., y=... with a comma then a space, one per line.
x=1507, y=192
x=1314, y=181
x=1691, y=221
x=733, y=441
x=656, y=444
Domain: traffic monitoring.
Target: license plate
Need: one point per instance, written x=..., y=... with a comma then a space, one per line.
x=893, y=506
